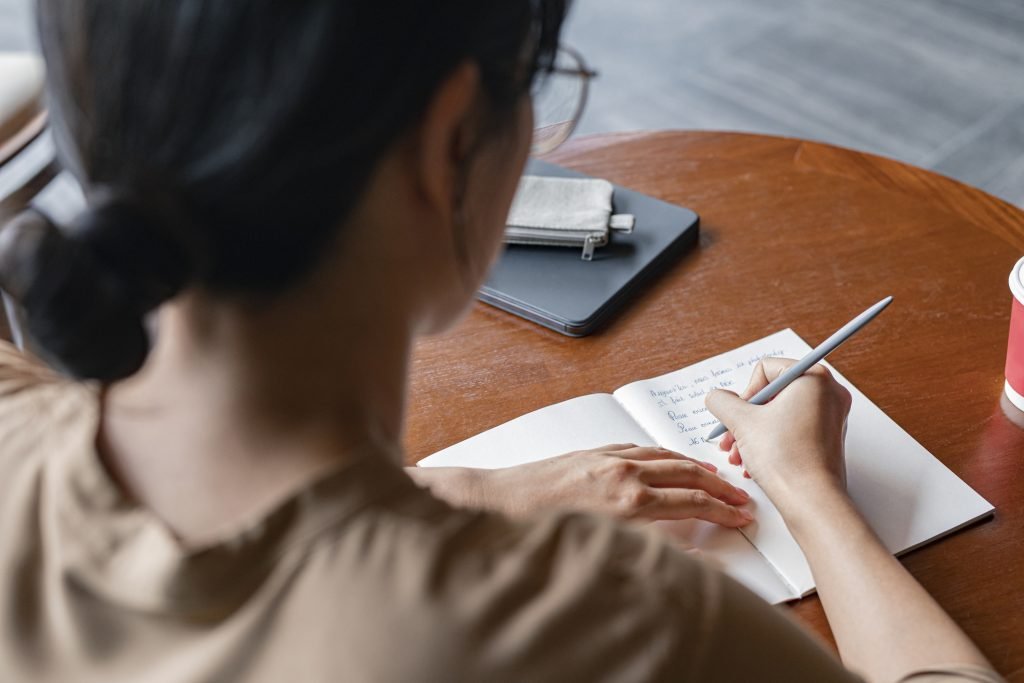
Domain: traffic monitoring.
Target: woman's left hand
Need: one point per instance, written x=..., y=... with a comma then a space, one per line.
x=624, y=480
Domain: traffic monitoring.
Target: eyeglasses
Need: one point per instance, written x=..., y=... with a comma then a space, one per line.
x=559, y=95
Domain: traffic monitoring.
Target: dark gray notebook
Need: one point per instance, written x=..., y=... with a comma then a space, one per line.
x=554, y=287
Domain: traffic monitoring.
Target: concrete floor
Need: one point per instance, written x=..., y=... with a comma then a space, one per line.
x=937, y=83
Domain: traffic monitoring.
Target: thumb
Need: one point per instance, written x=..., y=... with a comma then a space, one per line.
x=727, y=407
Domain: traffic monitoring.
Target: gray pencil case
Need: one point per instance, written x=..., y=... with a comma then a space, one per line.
x=565, y=212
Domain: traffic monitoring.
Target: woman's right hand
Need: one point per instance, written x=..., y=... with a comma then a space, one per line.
x=793, y=445
x=885, y=624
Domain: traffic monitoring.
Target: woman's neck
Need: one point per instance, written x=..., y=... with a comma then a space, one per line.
x=239, y=407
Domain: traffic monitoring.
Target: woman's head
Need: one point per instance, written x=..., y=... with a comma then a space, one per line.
x=228, y=145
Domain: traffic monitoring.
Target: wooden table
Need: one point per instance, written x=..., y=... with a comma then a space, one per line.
x=802, y=235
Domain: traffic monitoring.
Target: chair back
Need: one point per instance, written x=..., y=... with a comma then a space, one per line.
x=27, y=155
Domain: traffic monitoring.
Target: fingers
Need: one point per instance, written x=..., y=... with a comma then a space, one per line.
x=727, y=410
x=726, y=442
x=685, y=474
x=727, y=406
x=729, y=445
x=695, y=503
x=768, y=369
x=656, y=483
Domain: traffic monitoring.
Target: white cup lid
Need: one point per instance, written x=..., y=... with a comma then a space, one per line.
x=1017, y=281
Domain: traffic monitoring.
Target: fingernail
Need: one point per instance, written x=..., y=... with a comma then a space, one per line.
x=747, y=515
x=746, y=474
x=742, y=494
x=709, y=466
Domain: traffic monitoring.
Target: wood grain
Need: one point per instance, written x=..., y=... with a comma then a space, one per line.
x=799, y=235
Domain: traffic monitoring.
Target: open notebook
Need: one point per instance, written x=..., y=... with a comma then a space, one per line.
x=906, y=494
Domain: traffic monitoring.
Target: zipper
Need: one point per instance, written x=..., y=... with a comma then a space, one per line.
x=586, y=239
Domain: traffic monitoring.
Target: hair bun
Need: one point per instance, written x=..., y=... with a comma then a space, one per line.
x=85, y=294
x=146, y=255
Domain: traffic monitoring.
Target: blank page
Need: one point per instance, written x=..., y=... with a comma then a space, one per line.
x=574, y=425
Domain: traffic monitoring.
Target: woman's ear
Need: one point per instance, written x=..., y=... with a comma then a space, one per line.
x=443, y=141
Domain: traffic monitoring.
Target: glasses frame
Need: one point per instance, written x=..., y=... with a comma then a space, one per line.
x=585, y=74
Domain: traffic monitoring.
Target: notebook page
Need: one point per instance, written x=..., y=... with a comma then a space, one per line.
x=671, y=408
x=597, y=420
x=574, y=425
x=907, y=496
x=730, y=552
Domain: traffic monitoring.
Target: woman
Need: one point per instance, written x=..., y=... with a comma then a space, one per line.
x=295, y=191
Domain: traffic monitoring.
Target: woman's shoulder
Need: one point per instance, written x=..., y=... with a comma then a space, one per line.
x=475, y=595
x=37, y=406
x=19, y=369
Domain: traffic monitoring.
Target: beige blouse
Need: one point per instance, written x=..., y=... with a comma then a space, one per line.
x=362, y=576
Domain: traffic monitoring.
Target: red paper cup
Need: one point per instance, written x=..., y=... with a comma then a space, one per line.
x=1015, y=346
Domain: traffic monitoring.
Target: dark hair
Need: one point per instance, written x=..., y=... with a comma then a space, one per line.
x=222, y=142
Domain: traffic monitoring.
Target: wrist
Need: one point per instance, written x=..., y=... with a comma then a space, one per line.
x=806, y=496
x=498, y=491
x=463, y=487
x=821, y=509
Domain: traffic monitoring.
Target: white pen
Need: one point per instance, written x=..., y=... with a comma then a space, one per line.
x=804, y=364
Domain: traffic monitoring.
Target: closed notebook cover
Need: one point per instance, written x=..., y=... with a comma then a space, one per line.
x=554, y=287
